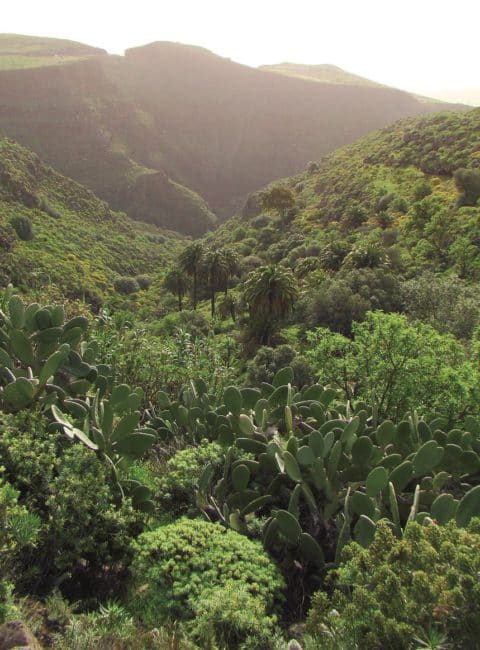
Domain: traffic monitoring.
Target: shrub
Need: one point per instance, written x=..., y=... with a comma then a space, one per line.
x=23, y=227
x=46, y=207
x=335, y=305
x=8, y=610
x=144, y=281
x=184, y=570
x=193, y=322
x=421, y=190
x=178, y=485
x=268, y=361
x=384, y=202
x=7, y=238
x=126, y=285
x=398, y=590
x=468, y=183
x=261, y=221
x=83, y=521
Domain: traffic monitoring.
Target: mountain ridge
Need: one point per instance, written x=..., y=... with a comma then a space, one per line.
x=172, y=133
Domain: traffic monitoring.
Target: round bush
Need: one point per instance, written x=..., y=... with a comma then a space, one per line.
x=180, y=567
x=126, y=285
x=23, y=227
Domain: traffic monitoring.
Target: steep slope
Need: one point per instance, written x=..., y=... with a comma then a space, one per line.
x=140, y=129
x=84, y=126
x=79, y=244
x=389, y=200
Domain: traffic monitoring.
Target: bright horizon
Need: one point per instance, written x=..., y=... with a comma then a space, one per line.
x=427, y=47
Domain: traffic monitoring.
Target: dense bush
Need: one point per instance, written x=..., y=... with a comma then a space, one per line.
x=447, y=303
x=84, y=523
x=126, y=285
x=468, y=182
x=335, y=305
x=268, y=361
x=398, y=591
x=193, y=322
x=23, y=227
x=144, y=281
x=397, y=366
x=183, y=571
x=177, y=486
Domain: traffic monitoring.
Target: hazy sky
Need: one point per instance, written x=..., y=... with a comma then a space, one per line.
x=419, y=45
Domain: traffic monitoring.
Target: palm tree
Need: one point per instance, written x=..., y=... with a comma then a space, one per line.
x=176, y=282
x=216, y=270
x=270, y=292
x=190, y=262
x=231, y=263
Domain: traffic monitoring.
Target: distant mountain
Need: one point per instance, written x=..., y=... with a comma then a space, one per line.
x=79, y=244
x=325, y=73
x=168, y=130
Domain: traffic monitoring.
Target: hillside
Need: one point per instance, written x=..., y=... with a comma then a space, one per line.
x=388, y=201
x=324, y=72
x=19, y=51
x=168, y=130
x=77, y=242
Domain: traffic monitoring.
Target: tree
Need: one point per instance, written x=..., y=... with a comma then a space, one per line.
x=270, y=292
x=231, y=261
x=176, y=282
x=216, y=272
x=280, y=198
x=398, y=366
x=190, y=263
x=468, y=183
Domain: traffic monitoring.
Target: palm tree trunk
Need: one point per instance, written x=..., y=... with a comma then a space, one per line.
x=212, y=292
x=195, y=290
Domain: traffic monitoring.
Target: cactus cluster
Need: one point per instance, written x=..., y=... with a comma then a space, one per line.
x=322, y=473
x=42, y=356
x=45, y=361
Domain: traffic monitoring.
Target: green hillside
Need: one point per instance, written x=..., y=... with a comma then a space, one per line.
x=168, y=130
x=56, y=232
x=388, y=201
x=18, y=51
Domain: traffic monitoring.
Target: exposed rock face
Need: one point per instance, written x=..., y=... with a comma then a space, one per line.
x=17, y=635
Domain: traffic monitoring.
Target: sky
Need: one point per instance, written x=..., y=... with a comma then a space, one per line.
x=424, y=46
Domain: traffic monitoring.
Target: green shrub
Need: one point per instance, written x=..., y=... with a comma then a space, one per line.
x=23, y=227
x=46, y=207
x=268, y=361
x=83, y=520
x=8, y=610
x=126, y=285
x=468, y=183
x=179, y=568
x=178, y=485
x=144, y=281
x=193, y=322
x=398, y=590
x=229, y=615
